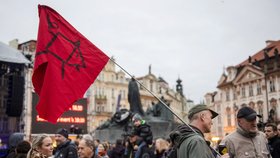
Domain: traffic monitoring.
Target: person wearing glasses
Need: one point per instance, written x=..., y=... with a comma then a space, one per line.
x=65, y=147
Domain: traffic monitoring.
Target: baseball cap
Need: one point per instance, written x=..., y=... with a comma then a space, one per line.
x=247, y=113
x=200, y=107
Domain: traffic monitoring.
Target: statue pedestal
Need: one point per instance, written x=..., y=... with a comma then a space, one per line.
x=158, y=127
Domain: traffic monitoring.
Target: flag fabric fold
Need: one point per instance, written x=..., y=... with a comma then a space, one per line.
x=66, y=64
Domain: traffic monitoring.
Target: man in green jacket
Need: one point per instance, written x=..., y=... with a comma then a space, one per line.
x=192, y=144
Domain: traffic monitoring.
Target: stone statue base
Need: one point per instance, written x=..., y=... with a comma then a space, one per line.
x=159, y=128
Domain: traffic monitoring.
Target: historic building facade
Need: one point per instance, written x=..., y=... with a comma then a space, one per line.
x=254, y=82
x=109, y=92
x=175, y=99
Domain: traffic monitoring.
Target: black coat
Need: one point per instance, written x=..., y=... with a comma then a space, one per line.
x=117, y=152
x=274, y=146
x=144, y=131
x=66, y=150
x=147, y=152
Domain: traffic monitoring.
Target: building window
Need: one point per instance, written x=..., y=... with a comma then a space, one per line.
x=113, y=93
x=260, y=107
x=112, y=77
x=234, y=95
x=243, y=105
x=271, y=85
x=219, y=120
x=235, y=108
x=252, y=105
x=227, y=96
x=102, y=92
x=243, y=92
x=98, y=109
x=251, y=92
x=259, y=89
x=228, y=116
x=97, y=91
x=124, y=95
x=151, y=86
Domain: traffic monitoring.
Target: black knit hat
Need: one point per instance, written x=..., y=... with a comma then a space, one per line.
x=62, y=131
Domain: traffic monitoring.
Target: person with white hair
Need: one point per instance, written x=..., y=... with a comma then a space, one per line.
x=86, y=147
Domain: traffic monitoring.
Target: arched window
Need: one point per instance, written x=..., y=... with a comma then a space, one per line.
x=243, y=105
x=252, y=105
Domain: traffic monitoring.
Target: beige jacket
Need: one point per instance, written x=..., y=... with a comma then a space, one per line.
x=241, y=145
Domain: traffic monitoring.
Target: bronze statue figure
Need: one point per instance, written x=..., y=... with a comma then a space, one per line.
x=134, y=97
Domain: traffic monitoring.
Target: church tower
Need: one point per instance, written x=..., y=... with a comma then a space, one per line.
x=179, y=86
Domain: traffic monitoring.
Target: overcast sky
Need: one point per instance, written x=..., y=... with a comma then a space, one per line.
x=190, y=39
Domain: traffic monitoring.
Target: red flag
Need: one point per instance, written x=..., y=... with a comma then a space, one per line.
x=66, y=64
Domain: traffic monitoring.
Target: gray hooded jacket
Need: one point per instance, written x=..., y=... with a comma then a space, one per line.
x=190, y=144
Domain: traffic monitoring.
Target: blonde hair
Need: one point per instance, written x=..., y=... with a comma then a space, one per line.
x=37, y=142
x=162, y=145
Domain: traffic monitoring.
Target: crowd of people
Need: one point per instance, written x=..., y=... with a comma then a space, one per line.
x=186, y=141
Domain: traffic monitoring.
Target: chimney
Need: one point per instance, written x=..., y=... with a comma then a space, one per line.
x=268, y=42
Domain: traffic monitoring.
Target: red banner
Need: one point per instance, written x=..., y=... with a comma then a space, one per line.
x=66, y=64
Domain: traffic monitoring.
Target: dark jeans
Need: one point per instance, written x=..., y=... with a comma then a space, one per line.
x=138, y=152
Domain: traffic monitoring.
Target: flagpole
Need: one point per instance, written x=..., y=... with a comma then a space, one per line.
x=163, y=103
x=166, y=106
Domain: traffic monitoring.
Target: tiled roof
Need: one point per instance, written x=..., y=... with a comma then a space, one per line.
x=260, y=55
x=11, y=55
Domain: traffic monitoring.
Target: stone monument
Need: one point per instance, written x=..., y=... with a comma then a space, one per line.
x=157, y=116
